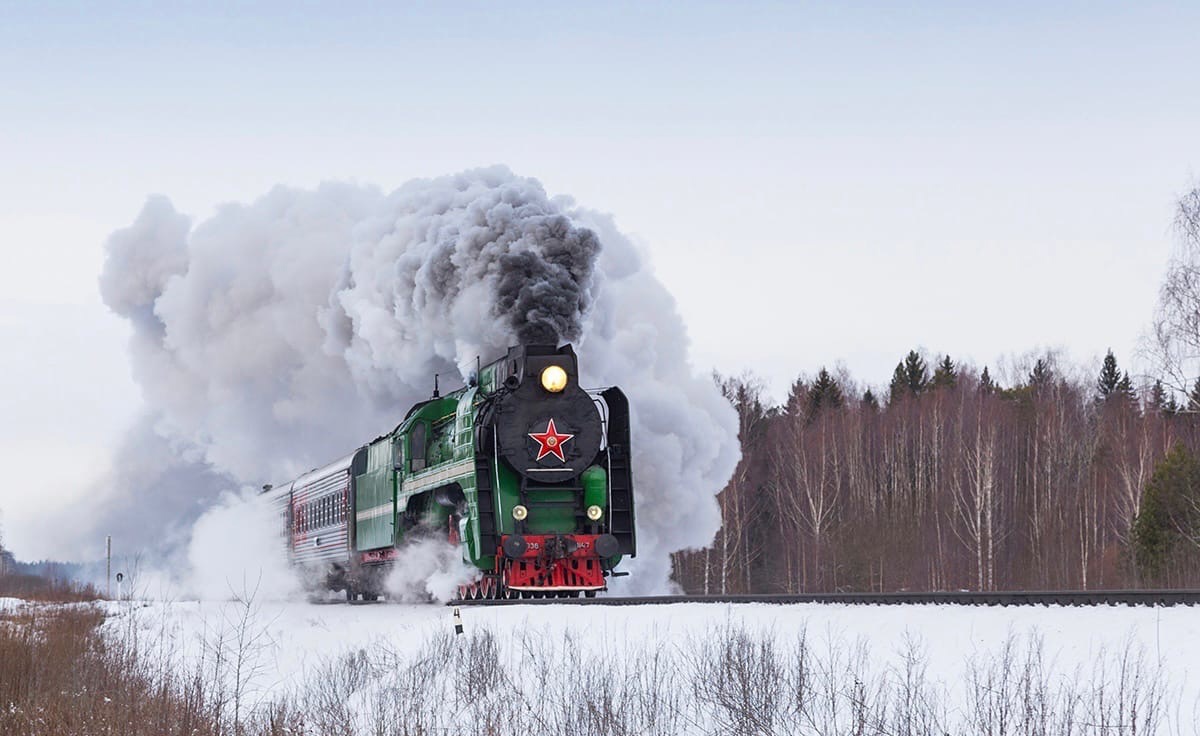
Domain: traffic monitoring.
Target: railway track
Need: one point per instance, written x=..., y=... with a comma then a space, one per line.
x=1009, y=598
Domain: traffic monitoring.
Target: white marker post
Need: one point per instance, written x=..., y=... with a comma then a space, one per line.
x=458, y=628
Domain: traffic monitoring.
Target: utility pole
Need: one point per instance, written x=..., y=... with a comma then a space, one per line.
x=108, y=566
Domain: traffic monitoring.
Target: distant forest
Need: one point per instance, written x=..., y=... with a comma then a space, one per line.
x=952, y=481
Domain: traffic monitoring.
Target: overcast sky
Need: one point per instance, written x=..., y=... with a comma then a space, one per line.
x=814, y=184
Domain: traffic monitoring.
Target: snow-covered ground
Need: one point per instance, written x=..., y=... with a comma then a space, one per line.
x=292, y=642
x=7, y=605
x=301, y=634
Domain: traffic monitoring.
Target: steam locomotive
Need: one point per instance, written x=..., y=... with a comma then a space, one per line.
x=523, y=469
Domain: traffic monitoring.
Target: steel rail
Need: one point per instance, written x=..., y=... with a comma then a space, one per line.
x=955, y=598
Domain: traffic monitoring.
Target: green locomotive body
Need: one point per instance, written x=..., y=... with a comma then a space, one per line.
x=525, y=470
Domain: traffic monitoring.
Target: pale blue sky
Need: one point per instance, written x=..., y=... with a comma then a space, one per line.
x=814, y=183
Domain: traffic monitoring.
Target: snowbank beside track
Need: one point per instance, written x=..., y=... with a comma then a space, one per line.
x=287, y=647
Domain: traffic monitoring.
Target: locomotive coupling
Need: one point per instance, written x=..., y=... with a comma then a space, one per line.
x=558, y=546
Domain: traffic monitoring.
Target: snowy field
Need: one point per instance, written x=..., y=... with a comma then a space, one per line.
x=956, y=653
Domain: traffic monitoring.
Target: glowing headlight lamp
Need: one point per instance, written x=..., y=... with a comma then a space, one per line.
x=520, y=512
x=594, y=513
x=554, y=379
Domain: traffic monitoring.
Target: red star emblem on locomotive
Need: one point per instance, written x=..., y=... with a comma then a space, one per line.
x=551, y=442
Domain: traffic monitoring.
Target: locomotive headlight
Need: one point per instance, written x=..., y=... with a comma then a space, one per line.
x=594, y=513
x=520, y=512
x=554, y=379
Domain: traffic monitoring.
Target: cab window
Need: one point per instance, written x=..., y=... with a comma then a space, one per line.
x=416, y=446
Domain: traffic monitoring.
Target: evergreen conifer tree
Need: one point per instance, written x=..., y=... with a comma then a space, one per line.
x=945, y=375
x=869, y=400
x=910, y=378
x=986, y=384
x=1041, y=375
x=1158, y=398
x=825, y=393
x=1125, y=389
x=1110, y=377
x=1193, y=403
x=1168, y=510
x=916, y=375
x=898, y=388
x=796, y=397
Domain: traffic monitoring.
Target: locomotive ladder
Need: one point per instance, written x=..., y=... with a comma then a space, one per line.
x=620, y=496
x=485, y=499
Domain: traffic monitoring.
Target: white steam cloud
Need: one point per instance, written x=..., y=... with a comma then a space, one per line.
x=278, y=335
x=429, y=568
x=237, y=549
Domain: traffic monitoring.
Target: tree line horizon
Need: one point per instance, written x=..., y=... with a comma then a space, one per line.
x=952, y=481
